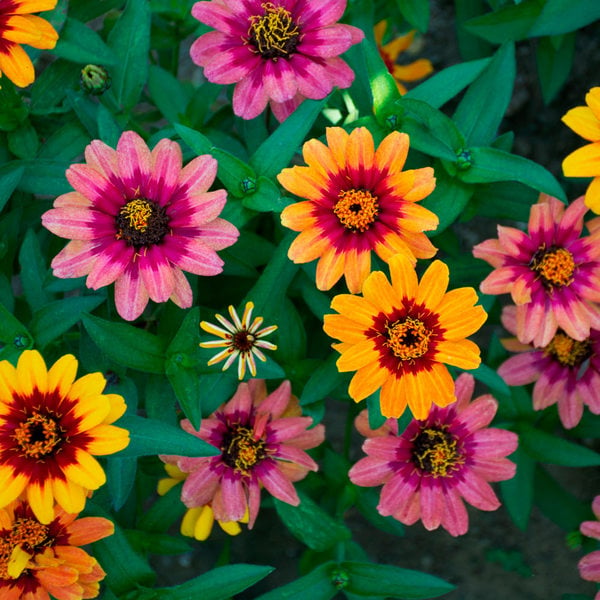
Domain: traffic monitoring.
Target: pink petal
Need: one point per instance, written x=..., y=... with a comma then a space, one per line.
x=327, y=42
x=282, y=110
x=570, y=410
x=277, y=401
x=217, y=15
x=131, y=296
x=312, y=77
x=135, y=164
x=72, y=199
x=233, y=499
x=479, y=413
x=320, y=13
x=491, y=251
x=478, y=493
x=589, y=566
x=198, y=209
x=288, y=428
x=276, y=484
x=110, y=264
x=166, y=167
x=239, y=407
x=76, y=259
x=463, y=390
x=279, y=80
x=409, y=511
x=590, y=529
x=218, y=234
x=297, y=456
x=197, y=176
x=456, y=519
x=383, y=448
x=494, y=469
x=103, y=158
x=193, y=256
x=182, y=291
x=227, y=63
x=395, y=492
x=310, y=438
x=200, y=486
x=521, y=369
x=250, y=95
x=93, y=185
x=369, y=471
x=432, y=503
x=500, y=281
x=72, y=223
x=494, y=443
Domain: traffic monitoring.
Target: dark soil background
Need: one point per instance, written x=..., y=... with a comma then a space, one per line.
x=494, y=560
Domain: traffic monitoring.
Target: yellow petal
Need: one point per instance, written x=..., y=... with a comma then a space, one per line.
x=592, y=99
x=592, y=196
x=62, y=374
x=304, y=182
x=18, y=561
x=378, y=290
x=85, y=471
x=357, y=267
x=417, y=393
x=31, y=372
x=230, y=527
x=92, y=384
x=404, y=277
x=16, y=65
x=33, y=6
x=70, y=496
x=463, y=354
x=433, y=285
x=391, y=153
x=356, y=308
x=360, y=150
x=583, y=162
x=583, y=122
x=41, y=500
x=11, y=485
x=107, y=439
x=91, y=411
x=117, y=407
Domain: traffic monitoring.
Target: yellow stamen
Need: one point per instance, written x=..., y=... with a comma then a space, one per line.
x=241, y=450
x=274, y=34
x=38, y=435
x=567, y=351
x=555, y=266
x=356, y=210
x=137, y=212
x=408, y=339
x=435, y=452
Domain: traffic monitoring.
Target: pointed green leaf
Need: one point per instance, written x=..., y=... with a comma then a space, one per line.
x=517, y=493
x=317, y=585
x=79, y=43
x=10, y=176
x=554, y=61
x=416, y=12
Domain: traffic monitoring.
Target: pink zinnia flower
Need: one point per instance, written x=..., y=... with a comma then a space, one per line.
x=275, y=52
x=551, y=272
x=566, y=371
x=589, y=565
x=138, y=219
x=262, y=440
x=429, y=469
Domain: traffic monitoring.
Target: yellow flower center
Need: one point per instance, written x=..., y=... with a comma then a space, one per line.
x=141, y=222
x=274, y=34
x=567, y=351
x=408, y=339
x=18, y=544
x=356, y=210
x=38, y=436
x=555, y=266
x=435, y=452
x=241, y=451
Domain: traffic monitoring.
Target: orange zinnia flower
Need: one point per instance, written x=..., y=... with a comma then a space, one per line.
x=18, y=26
x=389, y=53
x=399, y=337
x=38, y=559
x=358, y=199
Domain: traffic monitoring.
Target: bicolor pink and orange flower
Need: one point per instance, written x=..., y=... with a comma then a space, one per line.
x=18, y=26
x=38, y=559
x=262, y=441
x=390, y=52
x=436, y=464
x=358, y=201
x=551, y=272
x=277, y=53
x=566, y=372
x=138, y=219
x=401, y=335
x=51, y=427
x=589, y=565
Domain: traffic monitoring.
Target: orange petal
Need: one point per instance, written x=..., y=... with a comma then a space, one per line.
x=298, y=216
x=366, y=381
x=16, y=65
x=433, y=285
x=391, y=154
x=404, y=276
x=330, y=268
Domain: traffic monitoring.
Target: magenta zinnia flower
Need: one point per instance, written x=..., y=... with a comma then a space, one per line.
x=429, y=469
x=137, y=218
x=275, y=52
x=262, y=440
x=566, y=371
x=551, y=272
x=589, y=565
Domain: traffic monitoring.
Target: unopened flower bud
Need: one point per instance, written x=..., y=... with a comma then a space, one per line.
x=95, y=79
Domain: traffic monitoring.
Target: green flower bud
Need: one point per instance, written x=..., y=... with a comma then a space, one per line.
x=95, y=79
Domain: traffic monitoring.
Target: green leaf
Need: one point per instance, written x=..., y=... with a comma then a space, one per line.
x=44, y=177
x=168, y=93
x=416, y=12
x=79, y=43
x=14, y=337
x=387, y=580
x=517, y=493
x=554, y=61
x=311, y=524
x=317, y=585
x=233, y=172
x=490, y=165
x=163, y=513
x=323, y=381
x=490, y=377
x=130, y=41
x=563, y=16
x=484, y=104
x=266, y=198
x=23, y=141
x=108, y=129
x=120, y=479
x=127, y=345
x=367, y=501
x=149, y=437
x=10, y=176
x=55, y=318
x=219, y=584
x=66, y=142
x=50, y=87
x=547, y=448
x=277, y=150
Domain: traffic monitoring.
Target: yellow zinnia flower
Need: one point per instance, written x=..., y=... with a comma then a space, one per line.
x=18, y=26
x=401, y=335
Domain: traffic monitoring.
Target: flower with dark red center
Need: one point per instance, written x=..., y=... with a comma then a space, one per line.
x=436, y=463
x=51, y=427
x=262, y=441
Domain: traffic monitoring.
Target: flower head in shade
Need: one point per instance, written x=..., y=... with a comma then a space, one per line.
x=585, y=161
x=37, y=559
x=277, y=52
x=262, y=440
x=566, y=372
x=241, y=338
x=138, y=219
x=427, y=470
x=18, y=26
x=51, y=427
x=401, y=335
x=358, y=200
x=551, y=272
x=389, y=53
x=589, y=565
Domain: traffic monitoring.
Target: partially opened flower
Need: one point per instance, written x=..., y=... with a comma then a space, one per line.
x=18, y=26
x=589, y=565
x=585, y=161
x=566, y=372
x=51, y=427
x=37, y=559
x=401, y=335
x=262, y=443
x=358, y=200
x=138, y=219
x=391, y=51
x=242, y=339
x=436, y=463
x=551, y=272
x=277, y=52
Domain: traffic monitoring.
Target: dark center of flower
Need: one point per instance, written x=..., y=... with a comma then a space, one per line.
x=435, y=452
x=567, y=351
x=29, y=533
x=408, y=339
x=142, y=222
x=241, y=451
x=273, y=34
x=18, y=544
x=554, y=265
x=356, y=210
x=243, y=341
x=38, y=436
